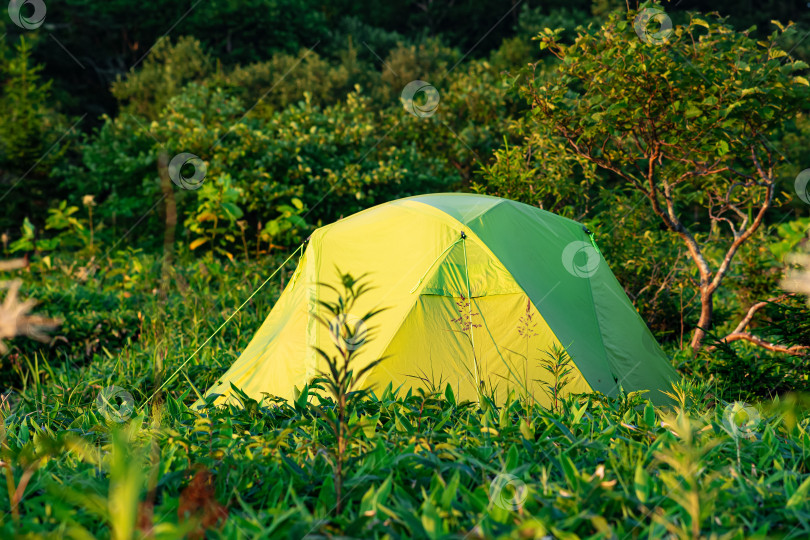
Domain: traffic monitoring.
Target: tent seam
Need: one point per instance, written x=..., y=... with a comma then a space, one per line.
x=436, y=264
x=599, y=326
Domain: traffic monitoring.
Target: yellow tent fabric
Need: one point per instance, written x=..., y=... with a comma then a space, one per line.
x=471, y=290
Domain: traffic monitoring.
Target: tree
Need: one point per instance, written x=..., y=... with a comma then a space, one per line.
x=33, y=136
x=681, y=116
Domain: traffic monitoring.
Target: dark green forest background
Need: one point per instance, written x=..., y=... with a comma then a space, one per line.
x=294, y=107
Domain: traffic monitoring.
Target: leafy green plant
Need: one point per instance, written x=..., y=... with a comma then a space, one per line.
x=217, y=213
x=688, y=482
x=283, y=229
x=559, y=366
x=341, y=376
x=72, y=232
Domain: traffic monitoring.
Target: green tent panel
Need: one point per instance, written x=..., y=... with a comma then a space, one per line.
x=476, y=290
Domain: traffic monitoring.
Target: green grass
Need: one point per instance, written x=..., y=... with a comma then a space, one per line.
x=415, y=465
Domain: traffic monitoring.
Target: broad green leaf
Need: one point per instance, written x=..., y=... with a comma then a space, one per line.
x=641, y=483
x=448, y=394
x=431, y=520
x=569, y=471
x=511, y=458
x=526, y=430
x=692, y=111
x=233, y=211
x=450, y=492
x=649, y=415
x=800, y=495
x=700, y=22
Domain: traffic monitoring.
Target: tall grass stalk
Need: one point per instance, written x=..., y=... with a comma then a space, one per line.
x=340, y=379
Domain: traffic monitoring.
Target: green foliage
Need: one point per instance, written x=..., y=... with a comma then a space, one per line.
x=534, y=20
x=24, y=112
x=33, y=136
x=790, y=236
x=558, y=364
x=293, y=127
x=270, y=85
x=339, y=379
x=422, y=465
x=72, y=232
x=428, y=61
x=676, y=120
x=27, y=240
x=163, y=74
x=334, y=160
x=284, y=79
x=216, y=214
x=745, y=372
x=539, y=174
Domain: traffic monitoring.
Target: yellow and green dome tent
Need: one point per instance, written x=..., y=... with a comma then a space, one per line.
x=474, y=288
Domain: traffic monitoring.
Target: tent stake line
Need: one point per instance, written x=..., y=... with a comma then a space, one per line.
x=221, y=326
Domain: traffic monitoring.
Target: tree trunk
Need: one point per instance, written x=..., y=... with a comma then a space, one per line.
x=705, y=321
x=167, y=188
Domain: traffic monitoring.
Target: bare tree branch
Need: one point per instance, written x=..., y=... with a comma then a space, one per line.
x=13, y=264
x=798, y=350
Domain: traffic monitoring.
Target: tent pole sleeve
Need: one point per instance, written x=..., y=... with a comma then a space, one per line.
x=431, y=265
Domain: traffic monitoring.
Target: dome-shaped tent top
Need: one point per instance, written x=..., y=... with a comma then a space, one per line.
x=475, y=289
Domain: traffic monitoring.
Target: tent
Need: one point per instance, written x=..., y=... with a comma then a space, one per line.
x=475, y=290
